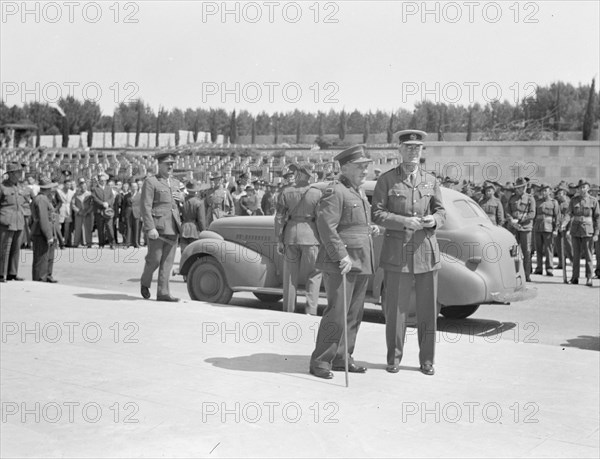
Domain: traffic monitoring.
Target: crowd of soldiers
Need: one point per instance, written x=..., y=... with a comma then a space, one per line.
x=547, y=221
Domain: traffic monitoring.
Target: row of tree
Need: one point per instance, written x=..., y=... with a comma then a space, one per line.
x=555, y=108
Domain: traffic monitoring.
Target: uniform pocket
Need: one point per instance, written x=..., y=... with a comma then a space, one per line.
x=397, y=201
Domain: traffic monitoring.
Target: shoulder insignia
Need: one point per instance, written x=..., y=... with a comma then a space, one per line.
x=328, y=190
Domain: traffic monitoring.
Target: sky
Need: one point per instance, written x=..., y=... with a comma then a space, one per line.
x=281, y=56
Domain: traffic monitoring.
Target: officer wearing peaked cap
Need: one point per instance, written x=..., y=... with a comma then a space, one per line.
x=407, y=202
x=344, y=225
x=160, y=216
x=12, y=222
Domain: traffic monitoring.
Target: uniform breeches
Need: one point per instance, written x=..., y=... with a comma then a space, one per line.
x=544, y=247
x=524, y=241
x=330, y=347
x=301, y=259
x=43, y=259
x=582, y=246
x=10, y=248
x=161, y=255
x=396, y=305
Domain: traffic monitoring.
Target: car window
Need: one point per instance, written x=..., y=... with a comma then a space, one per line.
x=468, y=209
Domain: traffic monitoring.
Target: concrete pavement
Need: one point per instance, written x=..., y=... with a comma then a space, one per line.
x=101, y=373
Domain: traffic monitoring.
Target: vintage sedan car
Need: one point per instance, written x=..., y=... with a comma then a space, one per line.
x=481, y=263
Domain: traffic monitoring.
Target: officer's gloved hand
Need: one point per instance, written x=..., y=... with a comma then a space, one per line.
x=280, y=248
x=152, y=234
x=346, y=264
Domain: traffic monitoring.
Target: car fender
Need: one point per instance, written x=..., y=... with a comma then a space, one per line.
x=452, y=279
x=242, y=265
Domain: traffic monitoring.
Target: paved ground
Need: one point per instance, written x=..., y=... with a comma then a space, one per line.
x=89, y=369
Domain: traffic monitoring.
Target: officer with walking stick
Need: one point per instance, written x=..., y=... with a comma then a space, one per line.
x=346, y=259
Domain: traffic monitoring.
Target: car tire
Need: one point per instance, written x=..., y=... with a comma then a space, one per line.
x=267, y=297
x=206, y=281
x=458, y=312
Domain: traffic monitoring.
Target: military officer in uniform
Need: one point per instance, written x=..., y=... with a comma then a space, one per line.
x=563, y=236
x=344, y=225
x=407, y=202
x=12, y=222
x=491, y=204
x=547, y=221
x=162, y=224
x=520, y=212
x=584, y=214
x=193, y=216
x=298, y=239
x=219, y=201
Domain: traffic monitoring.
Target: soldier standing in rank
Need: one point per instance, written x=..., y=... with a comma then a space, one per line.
x=43, y=233
x=491, y=205
x=520, y=212
x=407, y=202
x=219, y=202
x=563, y=236
x=547, y=221
x=160, y=215
x=298, y=239
x=12, y=222
x=346, y=252
x=584, y=214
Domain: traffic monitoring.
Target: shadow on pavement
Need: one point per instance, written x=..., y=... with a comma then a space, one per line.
x=269, y=363
x=108, y=296
x=590, y=343
x=477, y=327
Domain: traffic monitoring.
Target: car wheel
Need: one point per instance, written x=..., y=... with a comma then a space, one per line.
x=267, y=297
x=458, y=312
x=206, y=282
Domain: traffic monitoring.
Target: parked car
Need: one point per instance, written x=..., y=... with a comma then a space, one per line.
x=481, y=262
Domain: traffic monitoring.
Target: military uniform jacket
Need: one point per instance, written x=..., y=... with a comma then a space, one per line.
x=584, y=215
x=159, y=208
x=547, y=216
x=296, y=215
x=394, y=199
x=522, y=210
x=344, y=226
x=220, y=202
x=11, y=207
x=494, y=209
x=563, y=207
x=194, y=218
x=42, y=215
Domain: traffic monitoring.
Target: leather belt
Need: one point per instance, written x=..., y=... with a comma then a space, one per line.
x=300, y=218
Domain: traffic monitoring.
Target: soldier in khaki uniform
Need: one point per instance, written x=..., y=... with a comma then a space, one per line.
x=12, y=222
x=344, y=224
x=563, y=236
x=219, y=201
x=584, y=214
x=547, y=221
x=520, y=212
x=491, y=205
x=298, y=239
x=162, y=223
x=407, y=202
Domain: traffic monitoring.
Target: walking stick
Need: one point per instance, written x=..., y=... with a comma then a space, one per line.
x=563, y=262
x=345, y=299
